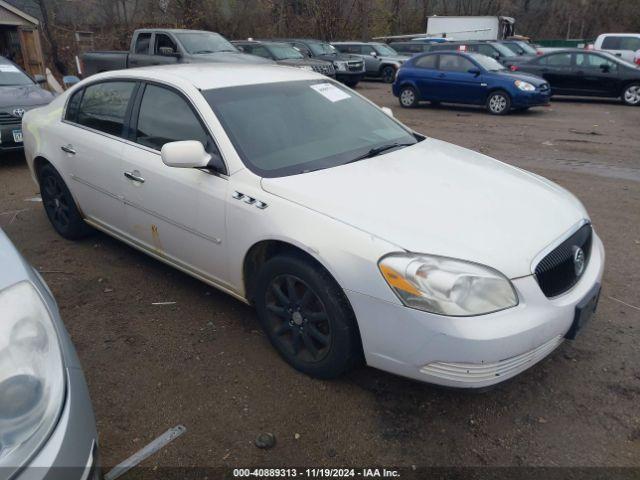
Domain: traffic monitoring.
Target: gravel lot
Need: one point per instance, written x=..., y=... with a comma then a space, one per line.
x=203, y=362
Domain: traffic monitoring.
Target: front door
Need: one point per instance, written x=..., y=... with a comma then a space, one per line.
x=595, y=75
x=177, y=213
x=454, y=82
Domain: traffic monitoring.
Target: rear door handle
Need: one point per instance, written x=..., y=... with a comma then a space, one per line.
x=69, y=149
x=134, y=177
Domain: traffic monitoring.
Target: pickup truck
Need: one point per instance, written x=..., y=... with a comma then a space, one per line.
x=166, y=47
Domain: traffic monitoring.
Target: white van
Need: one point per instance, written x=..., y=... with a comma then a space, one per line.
x=623, y=45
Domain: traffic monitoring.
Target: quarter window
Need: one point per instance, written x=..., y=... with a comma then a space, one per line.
x=428, y=61
x=142, y=43
x=166, y=117
x=73, y=106
x=104, y=106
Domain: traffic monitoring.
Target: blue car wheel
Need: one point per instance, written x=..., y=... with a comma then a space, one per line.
x=498, y=103
x=408, y=97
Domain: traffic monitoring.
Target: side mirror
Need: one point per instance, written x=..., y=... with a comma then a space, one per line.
x=388, y=111
x=69, y=80
x=374, y=54
x=39, y=79
x=185, y=154
x=168, y=52
x=474, y=71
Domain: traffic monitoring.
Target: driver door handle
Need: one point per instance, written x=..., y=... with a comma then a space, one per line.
x=134, y=177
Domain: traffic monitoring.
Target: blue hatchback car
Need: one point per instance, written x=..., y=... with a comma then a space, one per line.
x=470, y=78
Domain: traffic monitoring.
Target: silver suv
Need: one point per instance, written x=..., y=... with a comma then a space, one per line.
x=381, y=61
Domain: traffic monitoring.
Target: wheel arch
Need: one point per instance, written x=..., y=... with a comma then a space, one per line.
x=38, y=162
x=260, y=252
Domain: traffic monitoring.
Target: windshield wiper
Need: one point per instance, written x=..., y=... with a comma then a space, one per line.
x=374, y=152
x=203, y=51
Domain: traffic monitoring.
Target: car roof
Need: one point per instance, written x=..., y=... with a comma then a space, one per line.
x=171, y=30
x=207, y=76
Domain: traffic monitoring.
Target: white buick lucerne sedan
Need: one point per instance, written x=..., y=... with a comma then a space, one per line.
x=353, y=236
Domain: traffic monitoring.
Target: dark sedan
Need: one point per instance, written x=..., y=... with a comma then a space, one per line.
x=18, y=93
x=586, y=73
x=284, y=54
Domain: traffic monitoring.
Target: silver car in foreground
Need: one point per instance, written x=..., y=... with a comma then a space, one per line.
x=47, y=427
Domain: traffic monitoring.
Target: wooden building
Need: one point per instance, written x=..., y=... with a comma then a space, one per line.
x=20, y=38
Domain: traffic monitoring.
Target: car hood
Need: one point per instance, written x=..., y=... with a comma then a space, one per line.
x=229, y=57
x=516, y=60
x=24, y=96
x=441, y=199
x=527, y=77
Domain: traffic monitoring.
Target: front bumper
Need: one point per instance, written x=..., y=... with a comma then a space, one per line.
x=471, y=352
x=7, y=143
x=71, y=452
x=349, y=76
x=532, y=99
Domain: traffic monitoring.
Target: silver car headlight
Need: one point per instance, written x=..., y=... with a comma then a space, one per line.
x=525, y=86
x=447, y=286
x=32, y=380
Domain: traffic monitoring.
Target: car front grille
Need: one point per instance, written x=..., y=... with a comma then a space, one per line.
x=556, y=273
x=7, y=118
x=324, y=69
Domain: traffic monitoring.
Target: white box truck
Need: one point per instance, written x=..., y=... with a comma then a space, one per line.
x=470, y=28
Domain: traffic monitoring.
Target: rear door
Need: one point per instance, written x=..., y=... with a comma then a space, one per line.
x=426, y=76
x=455, y=84
x=176, y=213
x=93, y=130
x=555, y=68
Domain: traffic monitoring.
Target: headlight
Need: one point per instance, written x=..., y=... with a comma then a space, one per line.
x=447, y=286
x=340, y=66
x=32, y=382
x=525, y=86
x=306, y=67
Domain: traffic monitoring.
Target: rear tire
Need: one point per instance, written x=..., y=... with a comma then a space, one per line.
x=388, y=74
x=408, y=97
x=59, y=205
x=631, y=95
x=307, y=317
x=498, y=103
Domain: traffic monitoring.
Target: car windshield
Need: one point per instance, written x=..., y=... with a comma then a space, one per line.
x=488, y=63
x=528, y=49
x=197, y=43
x=11, y=76
x=322, y=49
x=288, y=128
x=504, y=51
x=284, y=52
x=384, y=50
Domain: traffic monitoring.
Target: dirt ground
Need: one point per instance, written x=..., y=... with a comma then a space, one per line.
x=203, y=362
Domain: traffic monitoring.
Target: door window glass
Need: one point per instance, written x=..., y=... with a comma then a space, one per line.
x=142, y=43
x=556, y=60
x=104, y=106
x=156, y=126
x=261, y=51
x=73, y=106
x=163, y=40
x=589, y=60
x=455, y=63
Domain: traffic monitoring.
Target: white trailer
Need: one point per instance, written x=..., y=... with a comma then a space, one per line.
x=470, y=28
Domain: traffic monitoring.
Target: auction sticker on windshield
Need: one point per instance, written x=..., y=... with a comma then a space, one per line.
x=330, y=92
x=8, y=68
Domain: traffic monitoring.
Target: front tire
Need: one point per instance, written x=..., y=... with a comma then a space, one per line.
x=498, y=103
x=408, y=97
x=631, y=94
x=388, y=74
x=306, y=316
x=59, y=205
